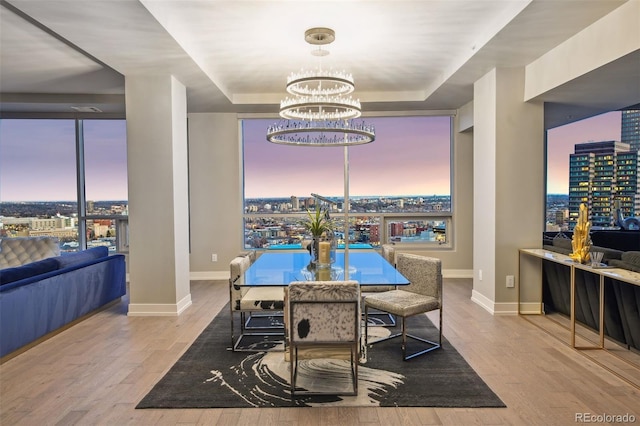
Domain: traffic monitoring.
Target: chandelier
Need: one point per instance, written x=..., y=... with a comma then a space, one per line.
x=321, y=111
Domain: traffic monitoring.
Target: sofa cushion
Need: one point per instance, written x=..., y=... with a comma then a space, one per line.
x=563, y=243
x=9, y=275
x=624, y=265
x=632, y=257
x=19, y=251
x=608, y=254
x=75, y=258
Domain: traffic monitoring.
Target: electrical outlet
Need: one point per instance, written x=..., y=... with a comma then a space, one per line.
x=480, y=274
x=511, y=281
x=214, y=257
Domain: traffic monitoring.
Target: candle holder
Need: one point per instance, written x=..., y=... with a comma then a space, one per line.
x=323, y=251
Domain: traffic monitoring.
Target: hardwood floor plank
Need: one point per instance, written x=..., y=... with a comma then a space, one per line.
x=97, y=371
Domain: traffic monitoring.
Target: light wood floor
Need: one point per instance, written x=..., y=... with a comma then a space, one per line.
x=98, y=370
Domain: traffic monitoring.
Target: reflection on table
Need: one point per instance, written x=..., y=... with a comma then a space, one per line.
x=280, y=268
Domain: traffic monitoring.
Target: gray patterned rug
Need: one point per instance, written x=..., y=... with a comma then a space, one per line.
x=209, y=375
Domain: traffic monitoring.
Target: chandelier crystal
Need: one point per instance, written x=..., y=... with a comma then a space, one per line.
x=320, y=113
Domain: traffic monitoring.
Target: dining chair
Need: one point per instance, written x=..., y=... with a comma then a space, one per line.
x=388, y=251
x=245, y=300
x=422, y=295
x=323, y=320
x=382, y=319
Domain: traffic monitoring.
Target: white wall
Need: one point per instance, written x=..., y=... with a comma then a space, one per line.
x=215, y=193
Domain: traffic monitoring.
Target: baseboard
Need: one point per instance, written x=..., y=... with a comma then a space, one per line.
x=480, y=299
x=509, y=308
x=208, y=275
x=530, y=308
x=159, y=309
x=457, y=273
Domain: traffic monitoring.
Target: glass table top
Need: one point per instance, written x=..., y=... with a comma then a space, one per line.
x=281, y=268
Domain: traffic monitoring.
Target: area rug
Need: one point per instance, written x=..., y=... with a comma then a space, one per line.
x=210, y=375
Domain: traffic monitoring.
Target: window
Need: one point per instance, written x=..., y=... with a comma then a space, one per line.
x=39, y=172
x=402, y=179
x=595, y=162
x=105, y=167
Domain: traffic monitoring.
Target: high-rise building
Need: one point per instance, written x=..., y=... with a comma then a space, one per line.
x=397, y=229
x=599, y=174
x=630, y=130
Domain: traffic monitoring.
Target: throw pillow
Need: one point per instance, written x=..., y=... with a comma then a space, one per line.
x=83, y=256
x=17, y=273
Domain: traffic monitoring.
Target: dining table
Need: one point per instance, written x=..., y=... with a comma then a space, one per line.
x=279, y=268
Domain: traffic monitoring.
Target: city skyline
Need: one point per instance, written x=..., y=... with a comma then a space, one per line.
x=106, y=175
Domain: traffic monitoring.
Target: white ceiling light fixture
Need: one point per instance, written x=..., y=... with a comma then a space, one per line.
x=320, y=113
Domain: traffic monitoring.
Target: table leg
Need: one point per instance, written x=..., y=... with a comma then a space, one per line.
x=601, y=312
x=573, y=306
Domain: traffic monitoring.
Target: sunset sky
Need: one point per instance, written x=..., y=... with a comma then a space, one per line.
x=410, y=156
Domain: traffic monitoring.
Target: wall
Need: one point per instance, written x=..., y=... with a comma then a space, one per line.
x=214, y=193
x=216, y=203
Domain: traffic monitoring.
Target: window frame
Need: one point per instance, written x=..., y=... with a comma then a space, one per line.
x=445, y=216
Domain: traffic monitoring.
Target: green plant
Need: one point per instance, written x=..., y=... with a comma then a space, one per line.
x=318, y=222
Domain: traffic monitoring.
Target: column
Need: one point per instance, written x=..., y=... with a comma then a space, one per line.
x=158, y=195
x=509, y=186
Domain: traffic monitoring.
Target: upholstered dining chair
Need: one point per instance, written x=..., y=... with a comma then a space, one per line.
x=244, y=300
x=423, y=295
x=323, y=320
x=388, y=251
x=382, y=318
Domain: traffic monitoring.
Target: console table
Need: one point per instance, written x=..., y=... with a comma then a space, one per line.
x=530, y=285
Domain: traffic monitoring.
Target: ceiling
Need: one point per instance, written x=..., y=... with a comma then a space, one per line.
x=235, y=56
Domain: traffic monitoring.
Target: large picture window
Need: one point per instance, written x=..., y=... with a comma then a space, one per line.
x=402, y=179
x=594, y=162
x=51, y=168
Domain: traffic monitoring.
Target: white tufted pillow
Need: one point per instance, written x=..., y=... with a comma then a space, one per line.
x=18, y=251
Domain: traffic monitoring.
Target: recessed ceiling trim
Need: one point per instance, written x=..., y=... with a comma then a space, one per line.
x=52, y=33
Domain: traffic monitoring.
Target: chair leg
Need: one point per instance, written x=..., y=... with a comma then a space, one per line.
x=233, y=343
x=355, y=359
x=293, y=361
x=366, y=325
x=404, y=339
x=440, y=327
x=403, y=333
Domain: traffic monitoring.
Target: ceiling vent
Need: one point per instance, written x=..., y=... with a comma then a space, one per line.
x=86, y=109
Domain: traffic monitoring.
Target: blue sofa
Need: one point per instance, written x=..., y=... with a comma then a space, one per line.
x=40, y=297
